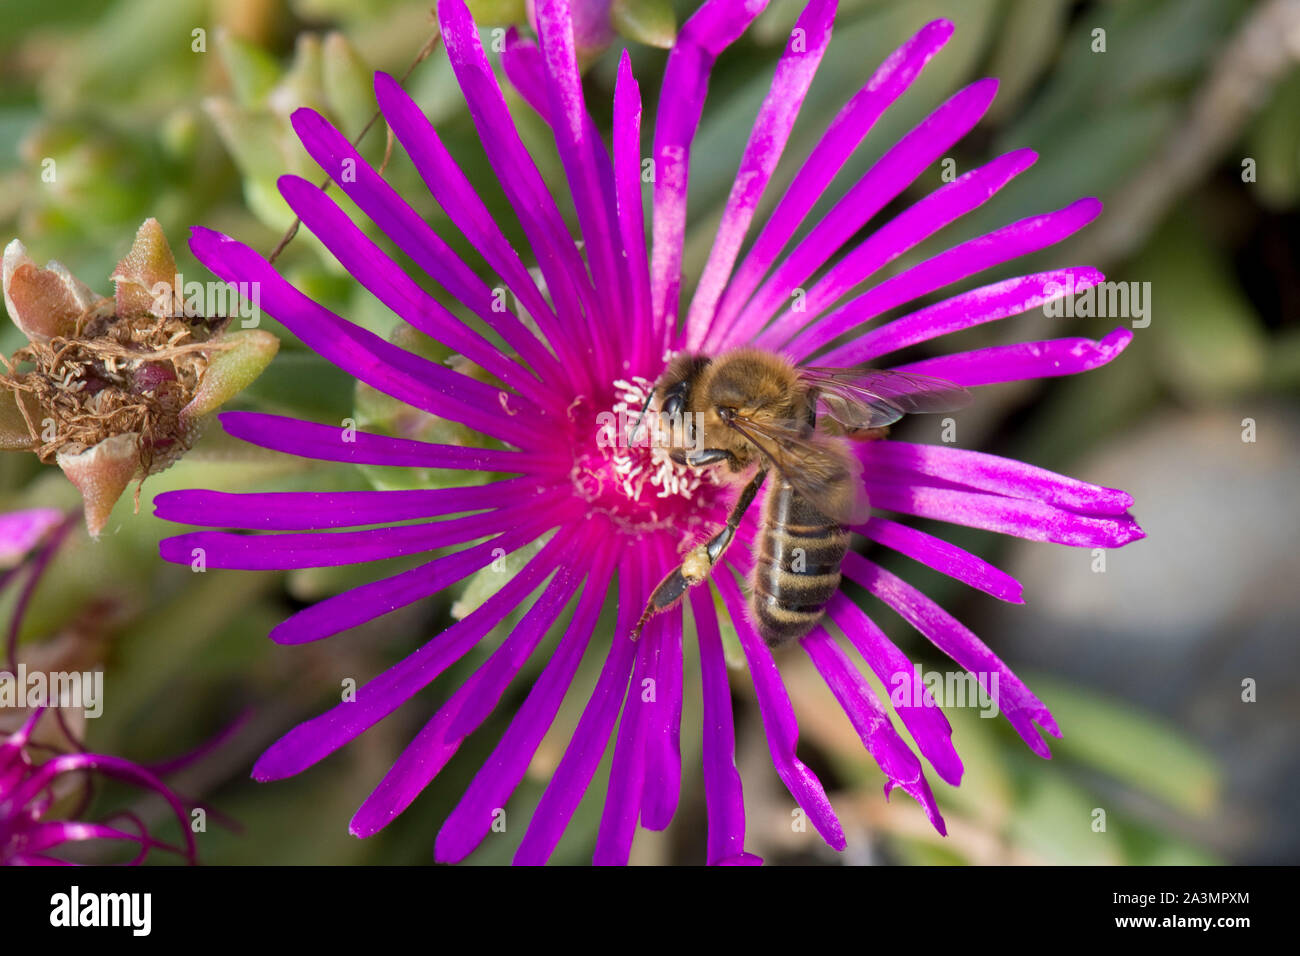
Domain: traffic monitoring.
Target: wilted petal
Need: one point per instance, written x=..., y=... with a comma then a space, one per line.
x=43, y=303
x=20, y=531
x=652, y=22
x=236, y=359
x=146, y=277
x=15, y=434
x=101, y=474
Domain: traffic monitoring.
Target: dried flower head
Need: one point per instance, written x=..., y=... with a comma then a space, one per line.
x=116, y=389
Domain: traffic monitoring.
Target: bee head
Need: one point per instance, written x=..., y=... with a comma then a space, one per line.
x=751, y=384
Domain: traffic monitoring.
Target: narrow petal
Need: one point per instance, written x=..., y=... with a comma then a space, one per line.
x=557, y=256
x=918, y=711
x=45, y=836
x=992, y=249
x=494, y=676
x=1031, y=520
x=943, y=557
x=319, y=737
x=779, y=720
x=591, y=737
x=710, y=30
x=389, y=283
x=326, y=549
x=394, y=371
x=340, y=443
x=985, y=304
x=582, y=151
x=882, y=183
x=767, y=141
x=523, y=65
x=459, y=200
x=503, y=771
x=385, y=206
x=631, y=212
x=440, y=738
x=588, y=160
x=841, y=138
x=628, y=769
x=663, y=731
x=723, y=796
x=1024, y=360
x=1021, y=708
x=901, y=767
x=992, y=473
x=901, y=234
x=314, y=510
x=369, y=601
x=61, y=765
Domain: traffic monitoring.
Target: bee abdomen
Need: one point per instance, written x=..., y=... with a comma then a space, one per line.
x=796, y=568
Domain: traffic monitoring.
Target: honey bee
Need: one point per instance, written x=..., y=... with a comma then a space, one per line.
x=750, y=407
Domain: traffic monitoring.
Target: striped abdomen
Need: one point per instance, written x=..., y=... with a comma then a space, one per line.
x=796, y=567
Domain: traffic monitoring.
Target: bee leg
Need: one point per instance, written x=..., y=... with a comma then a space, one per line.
x=699, y=561
x=704, y=457
x=709, y=456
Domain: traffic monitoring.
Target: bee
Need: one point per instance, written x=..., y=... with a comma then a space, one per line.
x=751, y=409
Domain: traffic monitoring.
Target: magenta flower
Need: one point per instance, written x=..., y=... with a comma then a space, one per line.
x=602, y=329
x=21, y=531
x=32, y=791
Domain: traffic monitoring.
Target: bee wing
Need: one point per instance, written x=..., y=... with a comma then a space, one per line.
x=860, y=398
x=817, y=466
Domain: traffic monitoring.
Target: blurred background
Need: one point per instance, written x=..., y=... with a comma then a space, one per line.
x=1182, y=115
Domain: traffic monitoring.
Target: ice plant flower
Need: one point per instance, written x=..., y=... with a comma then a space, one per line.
x=39, y=791
x=603, y=329
x=114, y=390
x=34, y=786
x=21, y=531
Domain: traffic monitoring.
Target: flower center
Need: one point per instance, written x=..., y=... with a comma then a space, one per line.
x=622, y=469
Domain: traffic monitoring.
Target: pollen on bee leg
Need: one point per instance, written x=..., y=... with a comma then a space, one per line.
x=696, y=566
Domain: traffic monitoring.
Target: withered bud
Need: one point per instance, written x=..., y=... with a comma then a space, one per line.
x=114, y=390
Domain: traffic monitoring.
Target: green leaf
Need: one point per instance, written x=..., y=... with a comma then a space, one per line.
x=487, y=581
x=1131, y=746
x=348, y=87
x=1208, y=335
x=303, y=385
x=252, y=71
x=1274, y=143
x=651, y=22
x=1031, y=34
x=1054, y=820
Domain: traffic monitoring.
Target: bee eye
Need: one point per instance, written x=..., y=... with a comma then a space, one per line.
x=673, y=405
x=726, y=413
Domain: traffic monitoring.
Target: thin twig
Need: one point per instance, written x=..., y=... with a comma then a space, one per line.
x=1254, y=61
x=425, y=52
